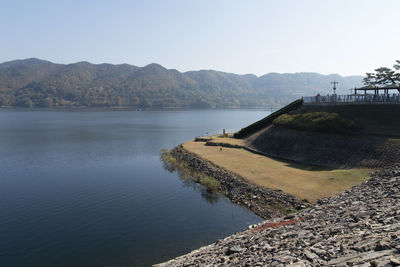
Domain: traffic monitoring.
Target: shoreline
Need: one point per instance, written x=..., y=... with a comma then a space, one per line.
x=359, y=226
x=264, y=202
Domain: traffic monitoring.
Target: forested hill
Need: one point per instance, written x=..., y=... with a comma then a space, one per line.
x=38, y=83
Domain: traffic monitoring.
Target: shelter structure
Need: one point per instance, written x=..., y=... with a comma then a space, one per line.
x=376, y=90
x=389, y=94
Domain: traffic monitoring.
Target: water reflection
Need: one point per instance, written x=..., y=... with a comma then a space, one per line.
x=88, y=188
x=188, y=177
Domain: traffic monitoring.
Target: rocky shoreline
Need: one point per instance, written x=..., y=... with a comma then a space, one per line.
x=359, y=227
x=264, y=202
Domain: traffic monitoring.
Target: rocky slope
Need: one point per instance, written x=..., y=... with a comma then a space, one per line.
x=359, y=227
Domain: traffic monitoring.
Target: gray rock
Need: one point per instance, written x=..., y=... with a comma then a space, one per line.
x=395, y=261
x=358, y=227
x=233, y=250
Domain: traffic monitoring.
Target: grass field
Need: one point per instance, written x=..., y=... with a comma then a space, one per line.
x=303, y=181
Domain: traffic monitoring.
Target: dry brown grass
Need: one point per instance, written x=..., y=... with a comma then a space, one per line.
x=304, y=181
x=395, y=141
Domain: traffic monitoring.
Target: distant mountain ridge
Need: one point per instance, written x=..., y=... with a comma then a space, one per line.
x=39, y=83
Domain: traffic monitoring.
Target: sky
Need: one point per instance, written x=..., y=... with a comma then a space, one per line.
x=348, y=37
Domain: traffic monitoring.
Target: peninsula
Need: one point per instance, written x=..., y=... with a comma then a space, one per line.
x=324, y=174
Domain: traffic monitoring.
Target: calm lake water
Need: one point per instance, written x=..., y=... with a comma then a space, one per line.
x=89, y=189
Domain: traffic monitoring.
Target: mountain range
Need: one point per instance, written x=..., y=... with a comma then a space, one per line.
x=39, y=83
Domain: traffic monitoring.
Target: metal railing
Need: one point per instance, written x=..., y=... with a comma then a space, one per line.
x=352, y=99
x=219, y=132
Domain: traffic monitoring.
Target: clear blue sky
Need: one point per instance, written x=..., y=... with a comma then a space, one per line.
x=340, y=36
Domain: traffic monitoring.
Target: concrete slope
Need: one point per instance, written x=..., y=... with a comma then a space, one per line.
x=324, y=149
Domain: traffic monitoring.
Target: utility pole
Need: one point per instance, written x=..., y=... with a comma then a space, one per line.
x=334, y=86
x=334, y=92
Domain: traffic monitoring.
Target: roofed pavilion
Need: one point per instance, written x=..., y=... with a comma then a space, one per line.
x=376, y=89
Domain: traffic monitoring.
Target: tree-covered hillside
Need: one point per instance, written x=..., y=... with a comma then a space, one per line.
x=39, y=83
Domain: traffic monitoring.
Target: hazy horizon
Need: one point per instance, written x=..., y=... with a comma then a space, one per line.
x=258, y=37
x=116, y=64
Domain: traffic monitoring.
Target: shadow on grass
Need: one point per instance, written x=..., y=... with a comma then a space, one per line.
x=307, y=167
x=297, y=165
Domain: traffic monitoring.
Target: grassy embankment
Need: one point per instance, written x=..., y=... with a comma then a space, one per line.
x=303, y=181
x=318, y=122
x=379, y=120
x=373, y=119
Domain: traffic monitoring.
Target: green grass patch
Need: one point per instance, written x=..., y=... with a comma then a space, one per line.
x=171, y=164
x=258, y=125
x=168, y=160
x=317, y=122
x=375, y=119
x=210, y=183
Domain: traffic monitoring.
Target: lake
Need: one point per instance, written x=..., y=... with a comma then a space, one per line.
x=87, y=188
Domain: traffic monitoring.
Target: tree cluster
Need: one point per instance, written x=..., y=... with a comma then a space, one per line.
x=38, y=83
x=384, y=76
